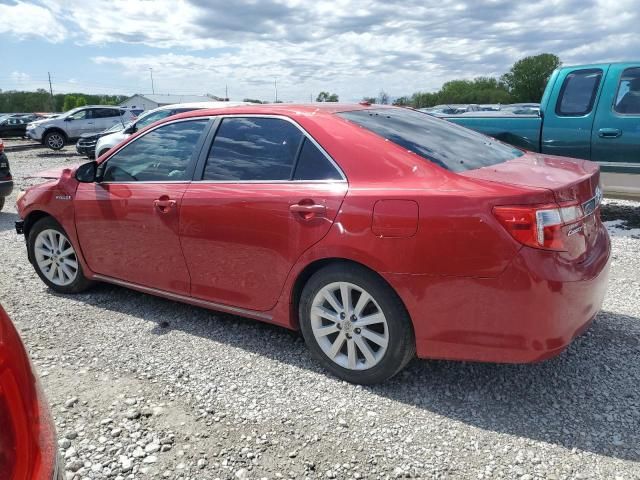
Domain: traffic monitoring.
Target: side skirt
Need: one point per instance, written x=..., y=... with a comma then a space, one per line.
x=265, y=317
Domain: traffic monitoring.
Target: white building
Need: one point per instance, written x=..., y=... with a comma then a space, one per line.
x=149, y=102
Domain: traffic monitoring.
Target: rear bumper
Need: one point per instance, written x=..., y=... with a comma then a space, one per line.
x=529, y=313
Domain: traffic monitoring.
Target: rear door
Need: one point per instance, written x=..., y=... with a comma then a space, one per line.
x=616, y=130
x=567, y=124
x=266, y=193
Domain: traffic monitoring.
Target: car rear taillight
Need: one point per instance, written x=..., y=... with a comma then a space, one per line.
x=1, y=146
x=28, y=448
x=538, y=226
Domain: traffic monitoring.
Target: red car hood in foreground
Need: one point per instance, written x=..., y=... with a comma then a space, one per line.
x=54, y=173
x=568, y=179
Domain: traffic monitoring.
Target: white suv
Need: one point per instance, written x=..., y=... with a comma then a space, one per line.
x=107, y=142
x=69, y=126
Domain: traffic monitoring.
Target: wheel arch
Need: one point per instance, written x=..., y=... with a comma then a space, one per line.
x=316, y=265
x=55, y=129
x=32, y=218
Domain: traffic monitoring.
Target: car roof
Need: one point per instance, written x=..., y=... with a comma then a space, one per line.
x=286, y=109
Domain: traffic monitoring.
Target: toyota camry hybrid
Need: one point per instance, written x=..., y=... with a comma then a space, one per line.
x=379, y=232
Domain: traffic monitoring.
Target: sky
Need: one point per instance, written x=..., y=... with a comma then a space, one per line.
x=354, y=48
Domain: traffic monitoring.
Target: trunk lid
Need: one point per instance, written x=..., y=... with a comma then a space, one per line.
x=569, y=179
x=572, y=182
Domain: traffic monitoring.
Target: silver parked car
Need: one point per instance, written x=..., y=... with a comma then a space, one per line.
x=106, y=142
x=69, y=126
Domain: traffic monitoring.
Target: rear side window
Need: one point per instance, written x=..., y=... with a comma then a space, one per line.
x=578, y=93
x=628, y=98
x=257, y=149
x=314, y=165
x=164, y=154
x=448, y=145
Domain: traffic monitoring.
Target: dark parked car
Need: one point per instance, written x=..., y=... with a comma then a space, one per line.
x=14, y=126
x=28, y=448
x=6, y=181
x=87, y=144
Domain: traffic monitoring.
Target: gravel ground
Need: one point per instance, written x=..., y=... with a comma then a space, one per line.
x=142, y=387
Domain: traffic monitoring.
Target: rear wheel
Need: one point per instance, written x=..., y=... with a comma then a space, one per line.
x=355, y=324
x=54, y=140
x=102, y=152
x=1, y=203
x=54, y=257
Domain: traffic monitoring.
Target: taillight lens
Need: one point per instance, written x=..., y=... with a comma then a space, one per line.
x=28, y=449
x=1, y=146
x=538, y=226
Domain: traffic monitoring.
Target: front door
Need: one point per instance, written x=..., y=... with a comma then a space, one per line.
x=616, y=130
x=79, y=123
x=267, y=193
x=128, y=223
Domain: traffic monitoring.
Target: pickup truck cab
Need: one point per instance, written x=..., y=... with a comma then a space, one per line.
x=588, y=111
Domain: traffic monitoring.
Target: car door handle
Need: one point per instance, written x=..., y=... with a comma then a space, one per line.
x=609, y=132
x=164, y=204
x=308, y=211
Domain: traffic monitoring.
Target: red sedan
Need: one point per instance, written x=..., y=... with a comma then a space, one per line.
x=28, y=447
x=379, y=232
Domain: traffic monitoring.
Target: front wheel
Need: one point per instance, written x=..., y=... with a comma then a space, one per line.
x=54, y=257
x=355, y=325
x=54, y=140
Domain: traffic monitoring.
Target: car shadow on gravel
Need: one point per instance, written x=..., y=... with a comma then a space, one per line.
x=7, y=221
x=587, y=398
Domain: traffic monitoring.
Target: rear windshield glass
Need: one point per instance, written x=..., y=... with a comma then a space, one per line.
x=452, y=147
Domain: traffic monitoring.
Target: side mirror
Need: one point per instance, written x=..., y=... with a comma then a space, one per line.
x=87, y=172
x=131, y=130
x=68, y=119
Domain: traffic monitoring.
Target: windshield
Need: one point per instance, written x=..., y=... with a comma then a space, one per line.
x=117, y=127
x=448, y=145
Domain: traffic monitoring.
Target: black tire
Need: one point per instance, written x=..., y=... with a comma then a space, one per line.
x=80, y=283
x=104, y=150
x=1, y=203
x=401, y=345
x=55, y=140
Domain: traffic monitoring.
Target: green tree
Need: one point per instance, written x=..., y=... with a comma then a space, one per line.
x=326, y=97
x=69, y=102
x=528, y=77
x=370, y=100
x=81, y=101
x=403, y=101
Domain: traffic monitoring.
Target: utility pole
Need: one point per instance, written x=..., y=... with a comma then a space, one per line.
x=275, y=86
x=53, y=103
x=153, y=90
x=226, y=93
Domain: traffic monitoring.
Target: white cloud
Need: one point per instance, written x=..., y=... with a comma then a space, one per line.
x=23, y=20
x=352, y=47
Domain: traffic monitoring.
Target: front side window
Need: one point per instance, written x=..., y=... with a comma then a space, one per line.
x=164, y=154
x=441, y=142
x=81, y=115
x=578, y=93
x=253, y=149
x=628, y=98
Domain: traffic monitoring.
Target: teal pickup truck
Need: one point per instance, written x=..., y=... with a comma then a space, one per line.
x=587, y=111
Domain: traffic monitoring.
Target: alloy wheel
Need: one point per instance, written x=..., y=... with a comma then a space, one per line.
x=349, y=326
x=56, y=257
x=55, y=141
